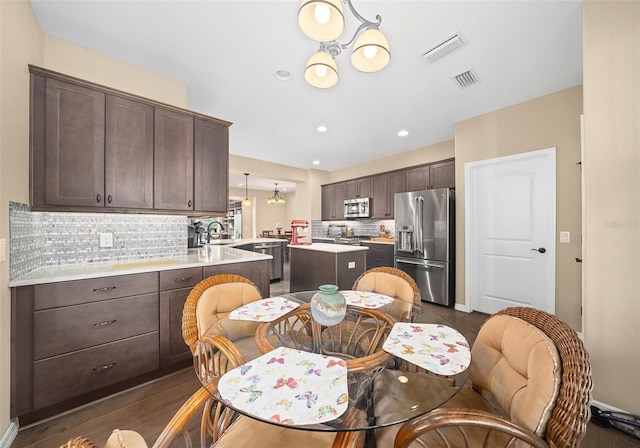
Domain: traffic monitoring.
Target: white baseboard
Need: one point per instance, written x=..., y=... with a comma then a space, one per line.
x=580, y=335
x=607, y=407
x=10, y=434
x=462, y=307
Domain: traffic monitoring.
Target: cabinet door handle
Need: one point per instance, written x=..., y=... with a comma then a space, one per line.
x=98, y=198
x=182, y=279
x=104, y=367
x=105, y=289
x=109, y=199
x=189, y=203
x=105, y=323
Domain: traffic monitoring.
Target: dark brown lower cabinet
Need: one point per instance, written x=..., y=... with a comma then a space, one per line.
x=76, y=341
x=312, y=268
x=379, y=254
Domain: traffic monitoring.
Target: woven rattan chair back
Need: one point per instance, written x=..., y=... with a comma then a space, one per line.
x=190, y=332
x=402, y=276
x=571, y=413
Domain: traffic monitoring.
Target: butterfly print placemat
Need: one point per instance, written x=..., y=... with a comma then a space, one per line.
x=264, y=310
x=365, y=299
x=288, y=386
x=435, y=347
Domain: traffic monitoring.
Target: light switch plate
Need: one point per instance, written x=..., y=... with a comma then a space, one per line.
x=106, y=239
x=3, y=249
x=565, y=237
x=352, y=265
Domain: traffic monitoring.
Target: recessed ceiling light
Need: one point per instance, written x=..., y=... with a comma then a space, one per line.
x=322, y=128
x=403, y=133
x=316, y=162
x=283, y=75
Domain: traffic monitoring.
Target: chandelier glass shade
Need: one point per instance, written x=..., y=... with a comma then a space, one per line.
x=371, y=51
x=276, y=198
x=321, y=71
x=323, y=21
x=246, y=201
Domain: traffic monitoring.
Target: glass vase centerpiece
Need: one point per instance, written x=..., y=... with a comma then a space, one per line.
x=328, y=306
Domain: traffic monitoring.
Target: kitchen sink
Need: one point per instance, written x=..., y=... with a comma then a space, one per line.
x=142, y=264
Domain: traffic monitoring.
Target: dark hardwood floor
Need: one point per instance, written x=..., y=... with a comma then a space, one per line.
x=149, y=407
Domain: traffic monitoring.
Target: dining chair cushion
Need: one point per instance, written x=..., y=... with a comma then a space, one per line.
x=218, y=301
x=247, y=432
x=390, y=285
x=517, y=367
x=125, y=439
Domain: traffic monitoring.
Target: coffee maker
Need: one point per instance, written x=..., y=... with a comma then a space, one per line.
x=195, y=232
x=298, y=227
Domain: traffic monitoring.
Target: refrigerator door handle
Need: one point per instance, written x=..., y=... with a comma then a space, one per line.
x=419, y=263
x=419, y=222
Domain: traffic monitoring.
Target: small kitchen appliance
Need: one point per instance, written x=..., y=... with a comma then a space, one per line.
x=195, y=232
x=357, y=208
x=299, y=227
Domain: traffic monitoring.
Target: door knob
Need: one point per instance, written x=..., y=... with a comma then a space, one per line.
x=541, y=250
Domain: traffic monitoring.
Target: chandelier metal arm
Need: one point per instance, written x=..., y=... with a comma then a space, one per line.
x=362, y=19
x=334, y=48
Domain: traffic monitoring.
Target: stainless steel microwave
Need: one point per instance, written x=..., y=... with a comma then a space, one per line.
x=357, y=208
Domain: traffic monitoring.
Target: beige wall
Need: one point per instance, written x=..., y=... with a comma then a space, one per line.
x=548, y=121
x=611, y=51
x=21, y=43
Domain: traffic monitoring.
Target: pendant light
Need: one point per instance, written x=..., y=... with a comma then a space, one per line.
x=276, y=198
x=246, y=201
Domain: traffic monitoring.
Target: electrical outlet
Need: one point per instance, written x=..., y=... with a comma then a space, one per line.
x=352, y=265
x=106, y=239
x=3, y=250
x=565, y=237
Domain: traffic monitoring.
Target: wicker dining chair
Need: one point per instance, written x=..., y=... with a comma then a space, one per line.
x=531, y=384
x=214, y=298
x=394, y=283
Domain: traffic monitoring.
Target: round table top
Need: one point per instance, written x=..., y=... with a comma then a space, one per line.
x=386, y=391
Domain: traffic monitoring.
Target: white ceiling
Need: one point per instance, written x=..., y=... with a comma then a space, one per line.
x=227, y=53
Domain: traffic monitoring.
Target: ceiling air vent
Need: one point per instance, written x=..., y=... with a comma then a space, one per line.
x=466, y=79
x=443, y=48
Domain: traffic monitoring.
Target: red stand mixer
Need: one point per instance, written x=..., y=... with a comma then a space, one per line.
x=297, y=227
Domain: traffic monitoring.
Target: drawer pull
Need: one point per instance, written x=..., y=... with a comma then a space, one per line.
x=182, y=279
x=103, y=368
x=106, y=322
x=106, y=288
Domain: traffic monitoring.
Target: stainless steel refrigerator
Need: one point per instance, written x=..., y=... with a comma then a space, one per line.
x=425, y=242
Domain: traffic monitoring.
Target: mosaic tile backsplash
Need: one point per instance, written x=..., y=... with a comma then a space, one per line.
x=52, y=238
x=361, y=227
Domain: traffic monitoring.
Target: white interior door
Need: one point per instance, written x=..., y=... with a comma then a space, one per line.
x=510, y=232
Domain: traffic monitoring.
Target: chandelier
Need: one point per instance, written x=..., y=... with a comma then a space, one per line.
x=323, y=21
x=276, y=198
x=246, y=201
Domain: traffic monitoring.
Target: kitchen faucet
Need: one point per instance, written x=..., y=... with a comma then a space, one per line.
x=209, y=229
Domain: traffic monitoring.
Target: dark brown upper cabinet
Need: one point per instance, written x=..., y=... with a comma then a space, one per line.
x=385, y=186
x=70, y=121
x=128, y=154
x=358, y=188
x=333, y=196
x=211, y=143
x=96, y=148
x=173, y=170
x=434, y=175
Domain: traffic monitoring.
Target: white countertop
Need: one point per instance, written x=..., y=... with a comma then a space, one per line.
x=212, y=254
x=329, y=247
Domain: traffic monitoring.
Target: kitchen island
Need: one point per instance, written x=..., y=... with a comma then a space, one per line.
x=82, y=331
x=318, y=264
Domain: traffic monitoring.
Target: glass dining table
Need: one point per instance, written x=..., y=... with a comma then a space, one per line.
x=365, y=373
